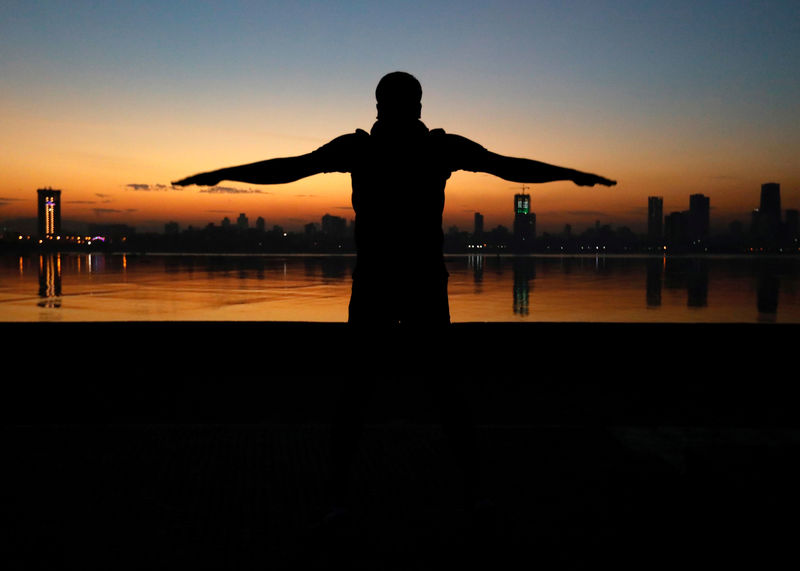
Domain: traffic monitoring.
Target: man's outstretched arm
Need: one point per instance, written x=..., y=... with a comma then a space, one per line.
x=271, y=171
x=526, y=170
x=471, y=156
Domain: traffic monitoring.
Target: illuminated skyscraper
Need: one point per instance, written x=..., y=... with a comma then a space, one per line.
x=524, y=222
x=49, y=207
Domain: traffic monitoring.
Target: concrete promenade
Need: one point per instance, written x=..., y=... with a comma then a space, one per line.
x=205, y=446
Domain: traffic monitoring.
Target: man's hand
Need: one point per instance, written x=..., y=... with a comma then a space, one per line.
x=202, y=179
x=587, y=179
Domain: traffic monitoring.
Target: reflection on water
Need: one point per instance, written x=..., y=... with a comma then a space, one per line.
x=307, y=288
x=524, y=273
x=690, y=274
x=50, y=280
x=655, y=275
x=768, y=287
x=605, y=288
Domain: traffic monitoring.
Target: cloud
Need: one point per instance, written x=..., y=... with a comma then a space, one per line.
x=6, y=200
x=102, y=211
x=143, y=187
x=232, y=190
x=160, y=187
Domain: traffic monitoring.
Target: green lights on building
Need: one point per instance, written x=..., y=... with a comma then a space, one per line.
x=523, y=203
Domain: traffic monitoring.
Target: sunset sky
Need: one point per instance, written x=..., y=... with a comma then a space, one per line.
x=110, y=101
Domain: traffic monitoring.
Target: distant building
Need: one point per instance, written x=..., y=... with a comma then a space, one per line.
x=676, y=229
x=334, y=226
x=791, y=229
x=171, y=228
x=699, y=219
x=478, y=224
x=524, y=222
x=766, y=224
x=261, y=224
x=114, y=232
x=49, y=212
x=655, y=218
x=242, y=223
x=771, y=200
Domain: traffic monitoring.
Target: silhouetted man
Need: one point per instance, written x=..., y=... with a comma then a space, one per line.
x=399, y=171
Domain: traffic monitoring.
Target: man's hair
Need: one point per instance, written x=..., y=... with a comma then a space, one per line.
x=399, y=95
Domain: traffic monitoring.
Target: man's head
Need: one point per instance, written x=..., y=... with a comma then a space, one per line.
x=399, y=97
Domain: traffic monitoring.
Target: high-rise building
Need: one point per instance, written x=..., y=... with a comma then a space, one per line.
x=676, y=229
x=334, y=226
x=478, y=224
x=49, y=208
x=771, y=199
x=766, y=224
x=242, y=223
x=770, y=208
x=699, y=218
x=655, y=218
x=524, y=222
x=792, y=226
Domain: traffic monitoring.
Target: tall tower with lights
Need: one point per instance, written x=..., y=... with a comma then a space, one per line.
x=524, y=221
x=49, y=208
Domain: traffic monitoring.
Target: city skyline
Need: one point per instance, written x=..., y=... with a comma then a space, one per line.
x=771, y=229
x=668, y=100
x=521, y=214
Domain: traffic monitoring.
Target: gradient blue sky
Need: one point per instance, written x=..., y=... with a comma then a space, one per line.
x=668, y=98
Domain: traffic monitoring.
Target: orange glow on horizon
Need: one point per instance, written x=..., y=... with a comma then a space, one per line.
x=98, y=185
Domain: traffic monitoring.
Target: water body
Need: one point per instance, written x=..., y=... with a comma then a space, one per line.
x=628, y=289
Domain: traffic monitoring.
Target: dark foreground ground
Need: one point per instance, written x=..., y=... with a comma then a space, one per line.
x=205, y=446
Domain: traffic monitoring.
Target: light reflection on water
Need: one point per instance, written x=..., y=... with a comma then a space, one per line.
x=77, y=287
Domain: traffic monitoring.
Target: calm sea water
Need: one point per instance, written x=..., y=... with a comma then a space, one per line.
x=118, y=287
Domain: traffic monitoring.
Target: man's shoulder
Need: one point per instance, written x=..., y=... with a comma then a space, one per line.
x=344, y=144
x=454, y=143
x=356, y=136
